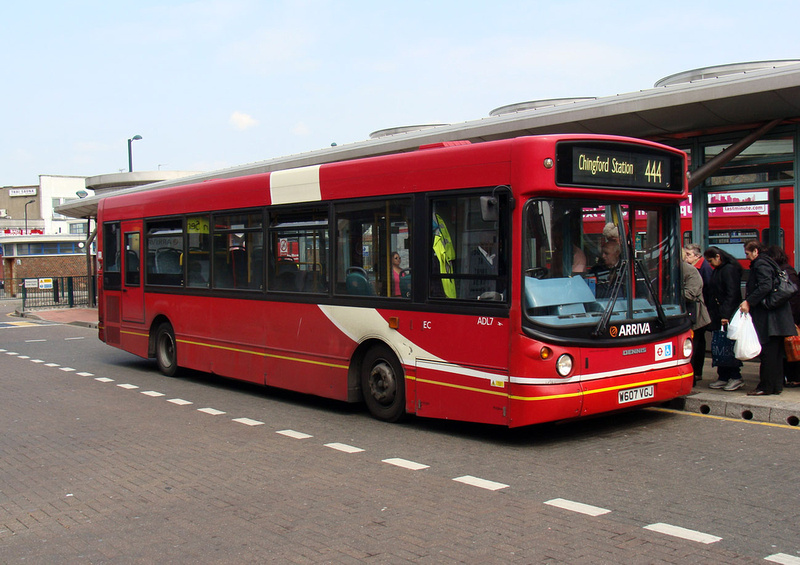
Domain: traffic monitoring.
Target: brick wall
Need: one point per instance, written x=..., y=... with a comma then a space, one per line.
x=46, y=266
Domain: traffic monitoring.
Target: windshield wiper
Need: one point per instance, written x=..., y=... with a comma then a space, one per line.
x=602, y=325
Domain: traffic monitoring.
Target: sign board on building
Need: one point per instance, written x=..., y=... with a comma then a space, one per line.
x=20, y=231
x=22, y=191
x=45, y=284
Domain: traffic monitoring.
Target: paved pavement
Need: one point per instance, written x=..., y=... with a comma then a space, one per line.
x=776, y=409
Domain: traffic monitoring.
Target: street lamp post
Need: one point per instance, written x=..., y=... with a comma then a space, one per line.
x=130, y=155
x=26, y=214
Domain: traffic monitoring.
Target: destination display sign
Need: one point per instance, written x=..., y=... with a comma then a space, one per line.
x=609, y=165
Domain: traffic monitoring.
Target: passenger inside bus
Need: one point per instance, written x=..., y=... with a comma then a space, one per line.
x=606, y=270
x=401, y=278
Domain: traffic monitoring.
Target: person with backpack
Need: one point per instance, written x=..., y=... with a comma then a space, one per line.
x=772, y=324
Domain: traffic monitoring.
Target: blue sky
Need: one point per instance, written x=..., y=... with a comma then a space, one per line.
x=212, y=84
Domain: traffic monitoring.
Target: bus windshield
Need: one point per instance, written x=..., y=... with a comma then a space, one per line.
x=610, y=269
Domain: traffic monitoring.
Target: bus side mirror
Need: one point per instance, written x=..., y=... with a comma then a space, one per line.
x=489, y=209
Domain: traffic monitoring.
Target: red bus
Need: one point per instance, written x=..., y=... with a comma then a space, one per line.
x=460, y=281
x=738, y=216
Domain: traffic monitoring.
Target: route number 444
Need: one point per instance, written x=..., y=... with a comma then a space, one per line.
x=653, y=171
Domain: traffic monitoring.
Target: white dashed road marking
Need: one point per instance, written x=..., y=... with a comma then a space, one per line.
x=684, y=533
x=248, y=422
x=179, y=401
x=577, y=507
x=783, y=559
x=85, y=374
x=344, y=447
x=66, y=369
x=211, y=411
x=294, y=434
x=406, y=464
x=104, y=380
x=127, y=386
x=152, y=393
x=480, y=483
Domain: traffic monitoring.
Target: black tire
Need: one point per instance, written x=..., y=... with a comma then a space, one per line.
x=383, y=384
x=166, y=350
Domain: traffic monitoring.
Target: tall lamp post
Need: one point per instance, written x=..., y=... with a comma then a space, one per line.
x=26, y=214
x=130, y=155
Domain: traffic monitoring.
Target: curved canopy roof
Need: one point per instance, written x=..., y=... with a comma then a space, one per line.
x=743, y=99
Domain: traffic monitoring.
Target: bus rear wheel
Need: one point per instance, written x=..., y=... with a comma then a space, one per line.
x=166, y=352
x=383, y=384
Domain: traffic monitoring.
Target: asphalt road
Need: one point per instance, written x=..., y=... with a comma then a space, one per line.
x=103, y=460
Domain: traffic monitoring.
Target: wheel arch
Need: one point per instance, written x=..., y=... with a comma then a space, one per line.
x=157, y=321
x=355, y=394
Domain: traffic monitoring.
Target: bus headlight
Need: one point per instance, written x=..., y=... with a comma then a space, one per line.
x=687, y=347
x=564, y=365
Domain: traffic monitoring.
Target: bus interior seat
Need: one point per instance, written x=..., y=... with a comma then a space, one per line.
x=286, y=273
x=131, y=259
x=168, y=261
x=357, y=282
x=198, y=273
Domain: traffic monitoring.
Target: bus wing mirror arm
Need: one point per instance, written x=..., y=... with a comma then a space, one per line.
x=490, y=205
x=489, y=209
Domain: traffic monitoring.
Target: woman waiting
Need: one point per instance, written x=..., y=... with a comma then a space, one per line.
x=771, y=325
x=791, y=370
x=725, y=294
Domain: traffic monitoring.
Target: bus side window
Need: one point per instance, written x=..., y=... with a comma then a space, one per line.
x=238, y=244
x=164, y=247
x=198, y=265
x=132, y=244
x=112, y=264
x=467, y=260
x=298, y=253
x=373, y=255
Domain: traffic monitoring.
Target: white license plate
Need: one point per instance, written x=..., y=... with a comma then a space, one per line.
x=634, y=394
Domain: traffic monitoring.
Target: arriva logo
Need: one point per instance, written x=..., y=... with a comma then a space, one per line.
x=630, y=329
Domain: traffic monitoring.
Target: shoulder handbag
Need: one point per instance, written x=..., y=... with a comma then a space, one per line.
x=783, y=289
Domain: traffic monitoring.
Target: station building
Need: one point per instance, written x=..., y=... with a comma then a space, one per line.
x=36, y=240
x=738, y=123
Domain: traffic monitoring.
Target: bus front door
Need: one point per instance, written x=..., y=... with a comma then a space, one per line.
x=132, y=303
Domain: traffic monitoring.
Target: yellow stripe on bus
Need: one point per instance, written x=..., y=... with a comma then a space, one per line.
x=261, y=354
x=460, y=387
x=134, y=333
x=251, y=352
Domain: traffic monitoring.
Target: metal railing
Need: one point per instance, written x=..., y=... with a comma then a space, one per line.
x=51, y=292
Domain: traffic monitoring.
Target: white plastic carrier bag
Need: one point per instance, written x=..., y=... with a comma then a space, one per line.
x=743, y=332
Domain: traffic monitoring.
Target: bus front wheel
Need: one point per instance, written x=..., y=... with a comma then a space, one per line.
x=383, y=385
x=166, y=353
